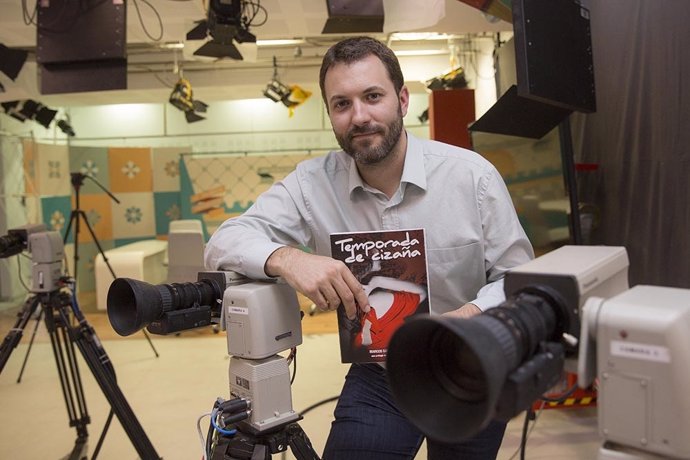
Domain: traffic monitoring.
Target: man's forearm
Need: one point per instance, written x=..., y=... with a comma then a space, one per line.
x=278, y=261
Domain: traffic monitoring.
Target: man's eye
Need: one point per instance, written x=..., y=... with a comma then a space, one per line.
x=340, y=105
x=373, y=96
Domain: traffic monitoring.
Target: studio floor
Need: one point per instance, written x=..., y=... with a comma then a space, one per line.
x=170, y=392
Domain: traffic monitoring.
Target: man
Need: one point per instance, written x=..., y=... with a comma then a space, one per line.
x=383, y=179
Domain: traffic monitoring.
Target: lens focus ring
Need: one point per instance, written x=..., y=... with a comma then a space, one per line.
x=502, y=334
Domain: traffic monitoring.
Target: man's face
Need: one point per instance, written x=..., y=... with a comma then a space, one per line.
x=365, y=111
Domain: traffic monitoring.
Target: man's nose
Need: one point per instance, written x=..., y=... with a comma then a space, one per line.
x=360, y=113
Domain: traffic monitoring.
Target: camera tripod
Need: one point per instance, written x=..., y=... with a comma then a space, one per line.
x=77, y=180
x=68, y=328
x=261, y=446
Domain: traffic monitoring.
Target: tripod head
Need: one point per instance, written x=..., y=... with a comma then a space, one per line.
x=77, y=180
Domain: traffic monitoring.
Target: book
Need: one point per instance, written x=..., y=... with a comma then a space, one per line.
x=392, y=267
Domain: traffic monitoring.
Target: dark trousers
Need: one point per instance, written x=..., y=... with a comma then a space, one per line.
x=368, y=426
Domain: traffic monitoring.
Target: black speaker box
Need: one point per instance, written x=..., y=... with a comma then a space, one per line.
x=81, y=46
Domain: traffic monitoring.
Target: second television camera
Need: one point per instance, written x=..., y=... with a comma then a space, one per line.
x=570, y=307
x=262, y=318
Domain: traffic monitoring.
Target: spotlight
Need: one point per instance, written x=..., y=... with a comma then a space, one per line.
x=226, y=22
x=182, y=98
x=453, y=79
x=66, y=128
x=11, y=61
x=276, y=91
x=424, y=116
x=12, y=108
x=29, y=109
x=291, y=96
x=43, y=115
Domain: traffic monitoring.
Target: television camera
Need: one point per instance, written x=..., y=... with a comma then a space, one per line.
x=54, y=299
x=570, y=308
x=46, y=250
x=262, y=319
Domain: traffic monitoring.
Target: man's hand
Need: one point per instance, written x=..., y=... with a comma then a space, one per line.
x=325, y=281
x=466, y=311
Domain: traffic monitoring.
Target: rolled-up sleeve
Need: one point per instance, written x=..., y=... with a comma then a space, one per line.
x=244, y=243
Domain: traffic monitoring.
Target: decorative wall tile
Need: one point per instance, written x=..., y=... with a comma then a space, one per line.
x=130, y=170
x=56, y=213
x=91, y=161
x=167, y=205
x=97, y=209
x=166, y=168
x=51, y=166
x=134, y=216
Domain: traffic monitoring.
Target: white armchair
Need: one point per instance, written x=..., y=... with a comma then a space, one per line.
x=185, y=250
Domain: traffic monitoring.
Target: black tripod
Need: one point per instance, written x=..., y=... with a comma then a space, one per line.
x=261, y=446
x=60, y=311
x=77, y=180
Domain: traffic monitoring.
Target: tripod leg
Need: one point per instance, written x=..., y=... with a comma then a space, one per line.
x=300, y=443
x=98, y=245
x=13, y=337
x=31, y=342
x=155, y=352
x=99, y=363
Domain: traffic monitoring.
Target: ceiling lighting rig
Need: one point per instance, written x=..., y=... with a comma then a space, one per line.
x=28, y=109
x=228, y=21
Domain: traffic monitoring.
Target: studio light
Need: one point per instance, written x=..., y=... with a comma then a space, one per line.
x=227, y=21
x=12, y=61
x=182, y=97
x=29, y=109
x=291, y=96
x=454, y=79
x=66, y=128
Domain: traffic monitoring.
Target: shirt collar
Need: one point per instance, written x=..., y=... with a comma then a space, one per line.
x=413, y=170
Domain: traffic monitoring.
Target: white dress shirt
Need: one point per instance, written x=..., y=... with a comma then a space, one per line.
x=472, y=232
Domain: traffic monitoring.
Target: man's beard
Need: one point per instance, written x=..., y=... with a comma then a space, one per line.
x=370, y=154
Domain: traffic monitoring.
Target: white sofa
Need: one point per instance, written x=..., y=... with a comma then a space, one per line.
x=144, y=260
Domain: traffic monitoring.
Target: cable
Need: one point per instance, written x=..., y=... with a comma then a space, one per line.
x=214, y=422
x=250, y=9
x=293, y=357
x=204, y=442
x=320, y=403
x=19, y=273
x=141, y=20
x=562, y=397
x=525, y=436
x=29, y=19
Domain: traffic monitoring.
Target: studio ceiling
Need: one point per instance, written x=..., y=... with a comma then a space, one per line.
x=152, y=64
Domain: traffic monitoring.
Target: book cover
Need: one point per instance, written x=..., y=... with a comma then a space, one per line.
x=392, y=267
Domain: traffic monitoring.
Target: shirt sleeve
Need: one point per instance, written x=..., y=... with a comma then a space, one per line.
x=244, y=243
x=505, y=243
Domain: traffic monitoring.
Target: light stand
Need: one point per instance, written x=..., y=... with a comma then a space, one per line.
x=77, y=180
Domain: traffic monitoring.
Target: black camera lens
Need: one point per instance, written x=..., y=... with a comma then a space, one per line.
x=448, y=374
x=134, y=304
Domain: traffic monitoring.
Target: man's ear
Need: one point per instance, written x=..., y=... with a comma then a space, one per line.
x=404, y=98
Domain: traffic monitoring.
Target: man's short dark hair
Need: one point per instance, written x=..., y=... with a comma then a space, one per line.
x=355, y=49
